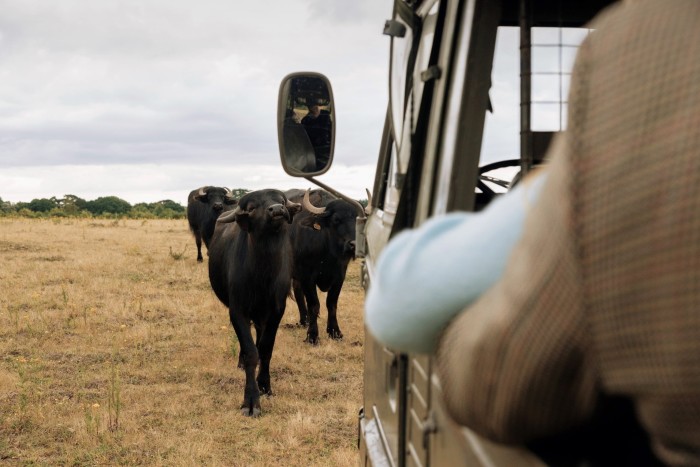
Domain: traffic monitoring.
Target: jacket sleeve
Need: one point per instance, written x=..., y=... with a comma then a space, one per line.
x=426, y=276
x=516, y=365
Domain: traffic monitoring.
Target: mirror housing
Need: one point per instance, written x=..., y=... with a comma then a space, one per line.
x=306, y=124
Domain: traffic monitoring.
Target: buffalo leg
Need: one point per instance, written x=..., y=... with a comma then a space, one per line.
x=313, y=307
x=265, y=346
x=198, y=241
x=258, y=333
x=332, y=327
x=301, y=302
x=249, y=354
x=241, y=354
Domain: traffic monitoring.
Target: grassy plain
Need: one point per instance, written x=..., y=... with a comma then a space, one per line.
x=115, y=351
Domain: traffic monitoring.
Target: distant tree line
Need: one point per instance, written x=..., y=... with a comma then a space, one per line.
x=105, y=206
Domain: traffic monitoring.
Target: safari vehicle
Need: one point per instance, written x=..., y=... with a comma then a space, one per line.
x=433, y=160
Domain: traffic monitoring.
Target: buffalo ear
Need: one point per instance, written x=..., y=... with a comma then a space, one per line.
x=315, y=221
x=310, y=222
x=226, y=217
x=292, y=209
x=242, y=219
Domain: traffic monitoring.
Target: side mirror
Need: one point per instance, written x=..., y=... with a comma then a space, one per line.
x=306, y=124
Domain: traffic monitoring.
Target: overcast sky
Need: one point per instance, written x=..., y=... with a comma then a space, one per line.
x=148, y=99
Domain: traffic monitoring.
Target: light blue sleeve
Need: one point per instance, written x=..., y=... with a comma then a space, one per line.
x=426, y=276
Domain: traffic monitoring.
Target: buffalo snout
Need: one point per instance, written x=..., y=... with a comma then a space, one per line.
x=277, y=211
x=218, y=206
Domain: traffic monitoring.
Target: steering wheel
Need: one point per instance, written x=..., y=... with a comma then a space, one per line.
x=500, y=182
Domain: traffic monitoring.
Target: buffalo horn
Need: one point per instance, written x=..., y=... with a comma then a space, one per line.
x=229, y=193
x=202, y=192
x=310, y=207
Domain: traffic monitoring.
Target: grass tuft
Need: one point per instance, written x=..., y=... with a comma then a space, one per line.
x=177, y=256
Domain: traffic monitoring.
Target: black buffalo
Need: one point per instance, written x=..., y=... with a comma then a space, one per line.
x=204, y=205
x=323, y=239
x=250, y=270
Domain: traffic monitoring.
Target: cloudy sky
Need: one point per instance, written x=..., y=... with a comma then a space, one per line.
x=148, y=99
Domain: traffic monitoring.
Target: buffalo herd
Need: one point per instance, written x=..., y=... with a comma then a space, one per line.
x=262, y=248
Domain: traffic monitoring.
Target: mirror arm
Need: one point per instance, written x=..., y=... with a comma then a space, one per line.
x=355, y=203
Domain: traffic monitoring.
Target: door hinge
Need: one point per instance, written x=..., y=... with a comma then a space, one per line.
x=394, y=28
x=429, y=427
x=433, y=72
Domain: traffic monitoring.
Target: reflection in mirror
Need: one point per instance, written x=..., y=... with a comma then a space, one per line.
x=305, y=123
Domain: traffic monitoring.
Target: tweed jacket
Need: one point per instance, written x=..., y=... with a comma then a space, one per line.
x=602, y=293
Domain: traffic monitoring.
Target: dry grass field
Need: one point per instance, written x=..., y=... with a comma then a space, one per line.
x=115, y=351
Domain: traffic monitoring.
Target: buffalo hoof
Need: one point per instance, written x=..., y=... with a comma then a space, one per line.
x=199, y=260
x=335, y=334
x=264, y=386
x=313, y=340
x=302, y=324
x=251, y=406
x=251, y=411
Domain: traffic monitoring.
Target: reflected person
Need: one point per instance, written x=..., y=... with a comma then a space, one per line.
x=318, y=126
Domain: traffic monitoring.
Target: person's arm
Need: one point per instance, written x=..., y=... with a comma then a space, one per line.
x=517, y=364
x=426, y=276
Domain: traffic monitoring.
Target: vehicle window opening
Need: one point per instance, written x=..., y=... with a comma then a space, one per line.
x=520, y=127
